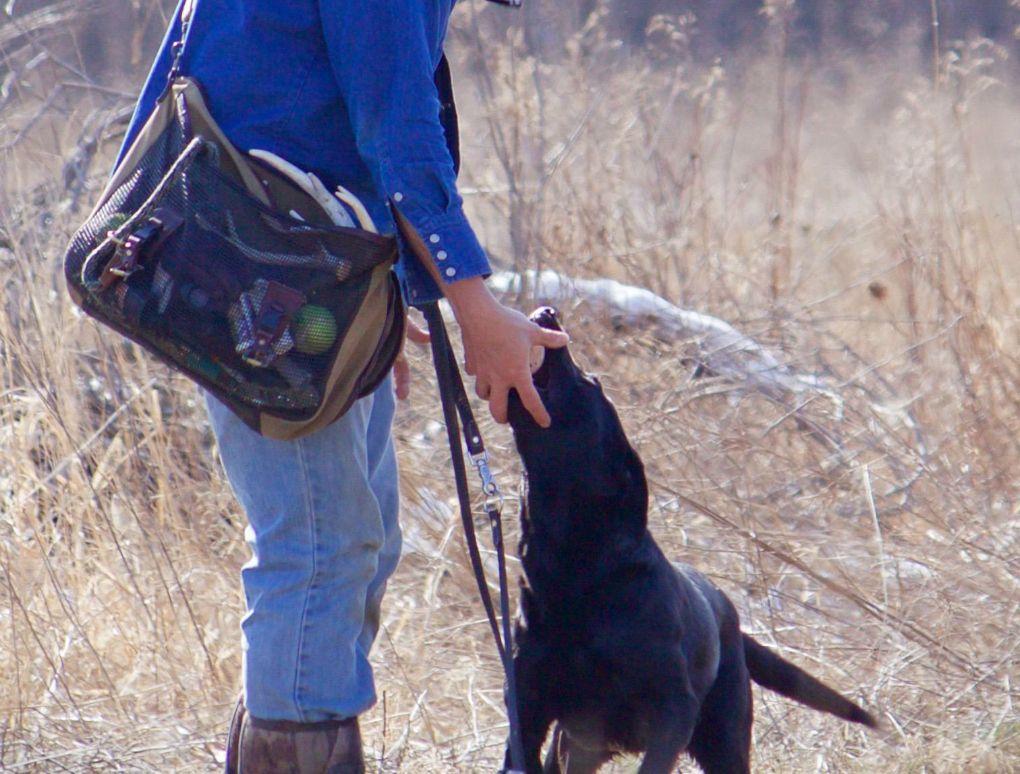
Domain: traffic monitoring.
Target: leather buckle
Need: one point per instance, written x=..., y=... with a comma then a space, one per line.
x=127, y=259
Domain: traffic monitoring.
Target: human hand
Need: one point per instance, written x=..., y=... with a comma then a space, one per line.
x=498, y=342
x=401, y=369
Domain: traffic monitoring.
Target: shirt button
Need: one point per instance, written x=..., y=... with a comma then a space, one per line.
x=398, y=197
x=434, y=239
x=441, y=255
x=450, y=272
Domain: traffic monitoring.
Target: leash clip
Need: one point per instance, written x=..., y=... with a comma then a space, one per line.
x=493, y=497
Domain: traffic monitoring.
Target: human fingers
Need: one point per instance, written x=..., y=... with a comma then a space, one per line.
x=483, y=389
x=548, y=338
x=401, y=377
x=536, y=358
x=416, y=333
x=532, y=402
x=498, y=399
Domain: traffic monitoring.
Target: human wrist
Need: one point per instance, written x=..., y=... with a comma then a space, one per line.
x=469, y=298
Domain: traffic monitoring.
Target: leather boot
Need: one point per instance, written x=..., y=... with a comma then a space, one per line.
x=283, y=747
x=234, y=737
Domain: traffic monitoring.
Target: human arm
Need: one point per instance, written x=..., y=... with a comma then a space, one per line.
x=384, y=54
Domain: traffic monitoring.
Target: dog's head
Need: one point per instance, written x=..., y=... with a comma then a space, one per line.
x=583, y=458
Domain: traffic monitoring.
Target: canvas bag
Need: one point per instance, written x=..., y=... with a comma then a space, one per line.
x=233, y=274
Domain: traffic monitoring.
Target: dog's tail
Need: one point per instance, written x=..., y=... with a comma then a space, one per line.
x=771, y=671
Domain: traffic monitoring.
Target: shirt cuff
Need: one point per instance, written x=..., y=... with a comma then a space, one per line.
x=455, y=250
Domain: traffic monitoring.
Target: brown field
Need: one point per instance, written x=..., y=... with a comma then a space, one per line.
x=859, y=216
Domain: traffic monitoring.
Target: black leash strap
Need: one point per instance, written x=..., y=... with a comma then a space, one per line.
x=455, y=404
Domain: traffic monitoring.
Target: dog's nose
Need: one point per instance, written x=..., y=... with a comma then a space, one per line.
x=547, y=317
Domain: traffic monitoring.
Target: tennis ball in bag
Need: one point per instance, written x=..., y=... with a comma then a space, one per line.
x=314, y=329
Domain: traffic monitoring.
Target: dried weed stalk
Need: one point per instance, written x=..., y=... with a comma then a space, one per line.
x=855, y=216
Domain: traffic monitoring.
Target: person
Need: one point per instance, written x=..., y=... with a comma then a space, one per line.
x=344, y=89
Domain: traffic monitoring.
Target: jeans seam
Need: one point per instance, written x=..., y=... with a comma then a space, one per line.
x=310, y=510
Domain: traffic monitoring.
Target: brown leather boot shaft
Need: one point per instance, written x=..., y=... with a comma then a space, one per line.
x=282, y=747
x=234, y=738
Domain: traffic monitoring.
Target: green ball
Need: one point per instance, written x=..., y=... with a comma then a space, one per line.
x=314, y=329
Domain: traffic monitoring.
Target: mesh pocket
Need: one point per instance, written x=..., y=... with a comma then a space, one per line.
x=252, y=303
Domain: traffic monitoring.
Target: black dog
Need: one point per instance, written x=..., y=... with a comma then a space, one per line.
x=623, y=650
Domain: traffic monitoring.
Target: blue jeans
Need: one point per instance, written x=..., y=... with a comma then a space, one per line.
x=324, y=536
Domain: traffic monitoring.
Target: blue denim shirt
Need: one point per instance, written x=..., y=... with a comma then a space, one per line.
x=344, y=89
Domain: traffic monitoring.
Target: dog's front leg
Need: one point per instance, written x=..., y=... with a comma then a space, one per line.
x=534, y=712
x=671, y=737
x=534, y=726
x=568, y=757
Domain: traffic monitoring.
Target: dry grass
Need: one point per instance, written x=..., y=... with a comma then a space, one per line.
x=856, y=216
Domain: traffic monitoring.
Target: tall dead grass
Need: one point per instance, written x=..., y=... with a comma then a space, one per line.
x=854, y=215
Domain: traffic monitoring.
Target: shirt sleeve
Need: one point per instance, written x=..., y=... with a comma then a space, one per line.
x=384, y=54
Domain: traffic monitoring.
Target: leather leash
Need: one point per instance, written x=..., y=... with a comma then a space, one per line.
x=455, y=404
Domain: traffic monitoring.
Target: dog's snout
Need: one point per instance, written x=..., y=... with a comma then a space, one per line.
x=547, y=317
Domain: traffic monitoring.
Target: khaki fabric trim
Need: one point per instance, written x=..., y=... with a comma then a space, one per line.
x=165, y=114
x=160, y=119
x=205, y=125
x=286, y=197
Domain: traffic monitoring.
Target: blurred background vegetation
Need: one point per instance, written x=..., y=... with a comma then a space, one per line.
x=838, y=180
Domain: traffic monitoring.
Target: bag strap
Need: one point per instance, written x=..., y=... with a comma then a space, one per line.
x=185, y=15
x=448, y=110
